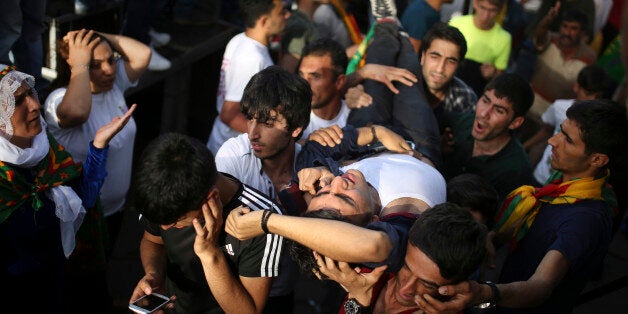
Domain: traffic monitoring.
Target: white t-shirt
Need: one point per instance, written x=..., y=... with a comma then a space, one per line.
x=397, y=175
x=243, y=58
x=105, y=106
x=317, y=122
x=554, y=116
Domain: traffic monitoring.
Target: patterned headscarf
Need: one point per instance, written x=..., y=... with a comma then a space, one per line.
x=10, y=81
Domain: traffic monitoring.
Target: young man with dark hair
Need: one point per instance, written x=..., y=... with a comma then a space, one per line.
x=592, y=83
x=185, y=251
x=323, y=65
x=246, y=54
x=559, y=233
x=277, y=107
x=483, y=143
x=444, y=49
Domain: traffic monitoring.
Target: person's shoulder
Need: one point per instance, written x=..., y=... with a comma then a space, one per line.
x=55, y=97
x=235, y=146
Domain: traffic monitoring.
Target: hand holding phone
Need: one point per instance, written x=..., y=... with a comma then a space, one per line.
x=149, y=303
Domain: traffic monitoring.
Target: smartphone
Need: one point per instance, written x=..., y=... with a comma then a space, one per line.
x=149, y=303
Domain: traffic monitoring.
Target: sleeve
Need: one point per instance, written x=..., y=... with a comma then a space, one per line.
x=583, y=235
x=228, y=158
x=501, y=63
x=549, y=116
x=150, y=227
x=397, y=228
x=238, y=74
x=261, y=257
x=50, y=107
x=122, y=78
x=94, y=173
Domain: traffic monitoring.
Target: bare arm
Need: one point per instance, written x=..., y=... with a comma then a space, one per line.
x=153, y=255
x=136, y=55
x=233, y=117
x=76, y=104
x=541, y=34
x=335, y=239
x=520, y=294
x=247, y=295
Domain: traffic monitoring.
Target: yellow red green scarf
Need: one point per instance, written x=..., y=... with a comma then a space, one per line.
x=55, y=169
x=522, y=205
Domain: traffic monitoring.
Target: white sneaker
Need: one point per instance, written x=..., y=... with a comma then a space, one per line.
x=158, y=39
x=158, y=62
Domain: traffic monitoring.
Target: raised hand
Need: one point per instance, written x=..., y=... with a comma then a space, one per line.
x=81, y=45
x=207, y=236
x=109, y=130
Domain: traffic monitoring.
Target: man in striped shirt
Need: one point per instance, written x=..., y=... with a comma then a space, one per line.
x=185, y=251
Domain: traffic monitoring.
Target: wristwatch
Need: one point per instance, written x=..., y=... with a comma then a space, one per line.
x=352, y=306
x=494, y=300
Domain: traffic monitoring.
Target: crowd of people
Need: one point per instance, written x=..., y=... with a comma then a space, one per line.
x=388, y=153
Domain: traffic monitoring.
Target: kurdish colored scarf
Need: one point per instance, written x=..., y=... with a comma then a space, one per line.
x=522, y=205
x=55, y=169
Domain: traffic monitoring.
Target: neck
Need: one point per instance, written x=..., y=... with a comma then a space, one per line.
x=330, y=111
x=280, y=165
x=435, y=4
x=588, y=173
x=21, y=142
x=482, y=28
x=569, y=52
x=258, y=34
x=491, y=147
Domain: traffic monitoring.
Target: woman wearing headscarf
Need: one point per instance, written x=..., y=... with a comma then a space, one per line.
x=44, y=196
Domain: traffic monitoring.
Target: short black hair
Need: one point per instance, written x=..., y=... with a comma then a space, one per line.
x=276, y=89
x=576, y=15
x=175, y=174
x=515, y=89
x=252, y=10
x=594, y=80
x=444, y=31
x=301, y=254
x=602, y=125
x=451, y=238
x=472, y=191
x=327, y=46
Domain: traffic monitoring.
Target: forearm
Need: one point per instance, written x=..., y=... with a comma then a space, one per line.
x=236, y=122
x=335, y=239
x=153, y=256
x=523, y=294
x=76, y=104
x=225, y=287
x=136, y=54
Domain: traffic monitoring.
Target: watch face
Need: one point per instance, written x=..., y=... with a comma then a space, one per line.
x=352, y=307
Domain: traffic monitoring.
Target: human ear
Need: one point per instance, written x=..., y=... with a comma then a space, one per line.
x=516, y=123
x=598, y=160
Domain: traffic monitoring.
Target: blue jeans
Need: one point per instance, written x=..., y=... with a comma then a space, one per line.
x=21, y=27
x=407, y=113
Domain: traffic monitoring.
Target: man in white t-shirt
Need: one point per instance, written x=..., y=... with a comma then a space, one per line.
x=246, y=54
x=323, y=65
